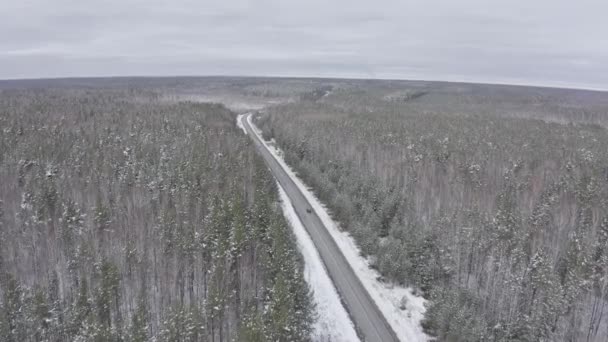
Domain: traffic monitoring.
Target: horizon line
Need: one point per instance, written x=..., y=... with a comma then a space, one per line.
x=463, y=80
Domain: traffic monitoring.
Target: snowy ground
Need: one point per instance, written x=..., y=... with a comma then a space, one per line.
x=239, y=123
x=333, y=323
x=388, y=297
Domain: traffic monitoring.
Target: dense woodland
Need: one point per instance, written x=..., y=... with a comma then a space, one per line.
x=492, y=200
x=128, y=218
x=130, y=213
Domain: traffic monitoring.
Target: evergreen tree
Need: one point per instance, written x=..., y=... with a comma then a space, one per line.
x=13, y=315
x=182, y=325
x=252, y=328
x=139, y=331
x=107, y=300
x=506, y=220
x=538, y=301
x=41, y=315
x=80, y=312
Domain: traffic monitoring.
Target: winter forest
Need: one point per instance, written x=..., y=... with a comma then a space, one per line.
x=136, y=210
x=492, y=200
x=127, y=217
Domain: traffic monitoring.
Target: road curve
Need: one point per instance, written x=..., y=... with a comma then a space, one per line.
x=367, y=317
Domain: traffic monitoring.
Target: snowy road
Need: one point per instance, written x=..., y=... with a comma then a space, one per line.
x=364, y=312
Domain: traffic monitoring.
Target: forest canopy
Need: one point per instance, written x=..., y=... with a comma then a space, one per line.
x=490, y=199
x=126, y=217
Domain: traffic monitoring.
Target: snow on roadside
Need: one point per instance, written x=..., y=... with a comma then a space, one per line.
x=388, y=297
x=333, y=323
x=239, y=122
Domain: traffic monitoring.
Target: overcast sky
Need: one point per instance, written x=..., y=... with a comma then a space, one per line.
x=542, y=42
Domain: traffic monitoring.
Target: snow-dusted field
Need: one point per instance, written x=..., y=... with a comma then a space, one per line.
x=388, y=297
x=333, y=323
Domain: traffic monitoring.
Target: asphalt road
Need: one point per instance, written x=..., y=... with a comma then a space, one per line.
x=369, y=321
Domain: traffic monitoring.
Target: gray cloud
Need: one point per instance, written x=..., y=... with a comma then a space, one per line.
x=544, y=42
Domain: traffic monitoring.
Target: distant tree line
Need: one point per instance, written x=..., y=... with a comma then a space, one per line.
x=124, y=218
x=500, y=219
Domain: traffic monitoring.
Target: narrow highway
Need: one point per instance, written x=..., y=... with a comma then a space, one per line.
x=369, y=321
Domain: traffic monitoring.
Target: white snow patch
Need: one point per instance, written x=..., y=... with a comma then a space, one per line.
x=388, y=297
x=239, y=123
x=333, y=323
